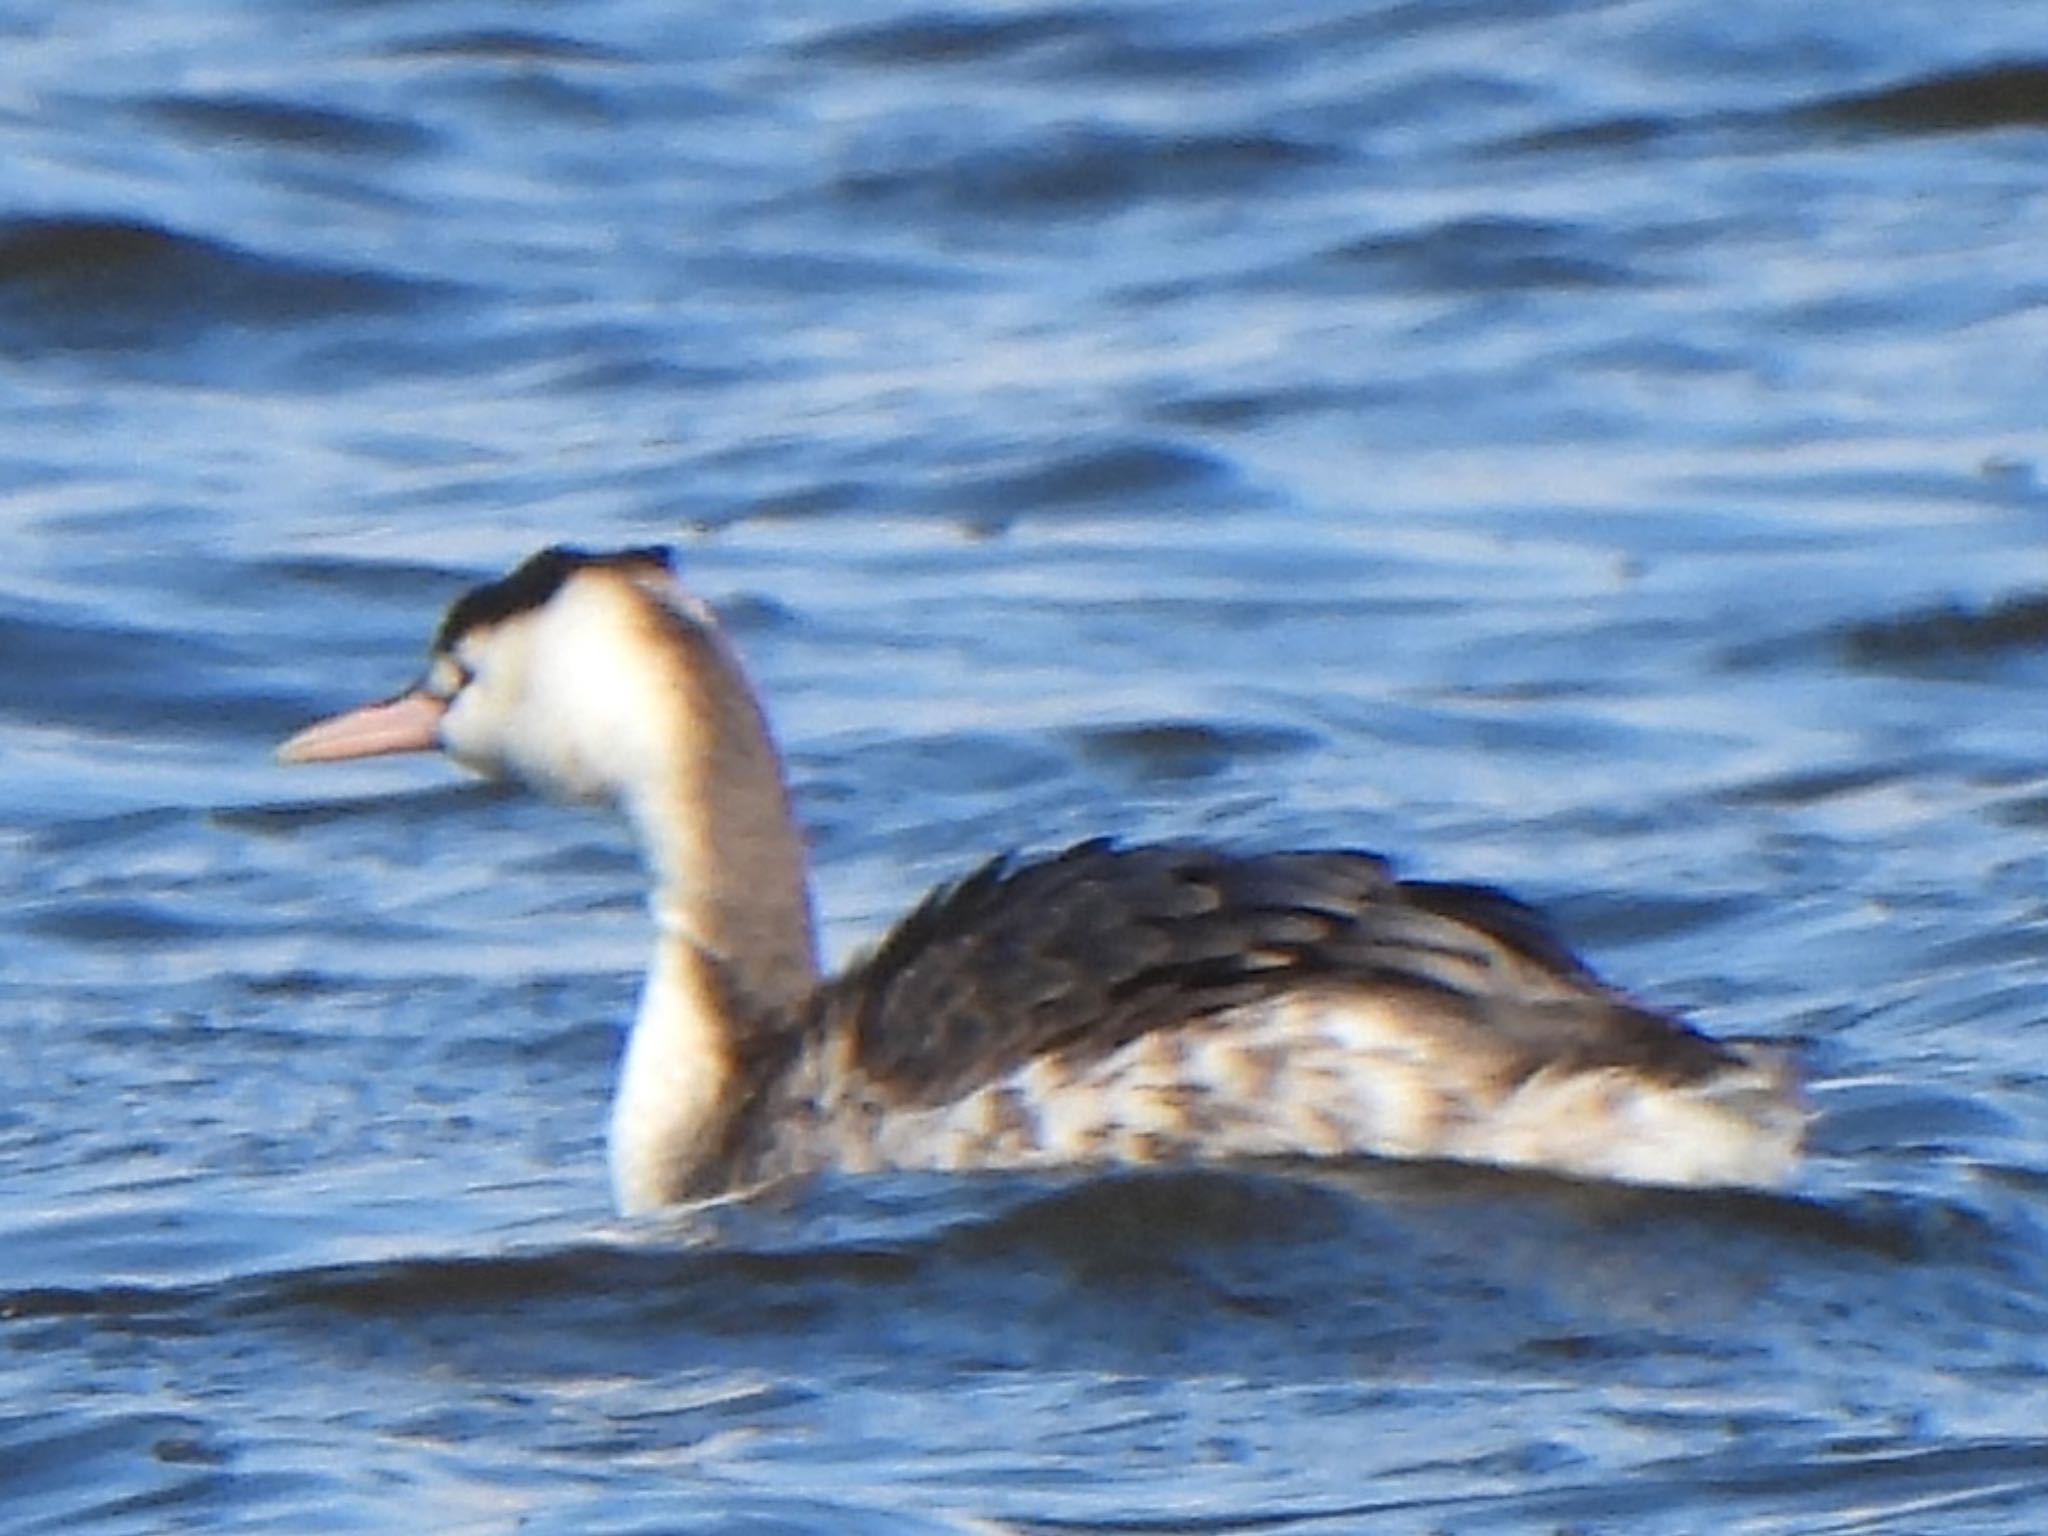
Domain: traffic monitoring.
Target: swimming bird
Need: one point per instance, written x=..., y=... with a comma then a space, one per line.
x=1106, y=1004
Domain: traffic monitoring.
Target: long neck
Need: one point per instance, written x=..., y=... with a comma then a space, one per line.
x=721, y=844
x=735, y=943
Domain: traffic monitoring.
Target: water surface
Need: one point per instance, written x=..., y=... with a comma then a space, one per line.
x=1591, y=447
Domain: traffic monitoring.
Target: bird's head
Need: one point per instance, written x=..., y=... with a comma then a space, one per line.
x=565, y=674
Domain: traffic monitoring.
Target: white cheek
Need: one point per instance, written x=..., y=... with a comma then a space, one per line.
x=585, y=736
x=525, y=739
x=568, y=699
x=553, y=760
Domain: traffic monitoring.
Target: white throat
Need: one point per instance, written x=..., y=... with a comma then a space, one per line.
x=673, y=1086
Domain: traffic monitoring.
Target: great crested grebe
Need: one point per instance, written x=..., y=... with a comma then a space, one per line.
x=1104, y=1004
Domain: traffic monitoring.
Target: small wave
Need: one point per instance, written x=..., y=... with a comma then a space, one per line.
x=786, y=271
x=106, y=1302
x=260, y=121
x=55, y=666
x=1167, y=750
x=128, y=1467
x=1609, y=920
x=506, y=45
x=79, y=835
x=132, y=922
x=102, y=284
x=1887, y=1483
x=424, y=807
x=1490, y=255
x=1949, y=632
x=401, y=583
x=1241, y=409
x=950, y=37
x=1080, y=171
x=1116, y=477
x=1067, y=42
x=1141, y=1216
x=1818, y=786
x=1345, y=1199
x=1274, y=1271
x=2009, y=95
x=1630, y=133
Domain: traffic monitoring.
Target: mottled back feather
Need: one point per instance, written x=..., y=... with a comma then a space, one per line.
x=1079, y=954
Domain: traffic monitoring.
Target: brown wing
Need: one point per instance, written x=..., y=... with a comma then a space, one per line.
x=1082, y=952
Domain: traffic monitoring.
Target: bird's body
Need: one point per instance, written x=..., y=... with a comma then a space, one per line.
x=1163, y=1003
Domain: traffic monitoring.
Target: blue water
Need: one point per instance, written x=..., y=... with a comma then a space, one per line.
x=1591, y=447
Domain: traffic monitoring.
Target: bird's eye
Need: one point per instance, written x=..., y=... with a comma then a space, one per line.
x=449, y=675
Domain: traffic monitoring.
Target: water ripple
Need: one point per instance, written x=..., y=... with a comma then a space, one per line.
x=1075, y=171
x=1995, y=96
x=1951, y=632
x=1587, y=447
x=1490, y=255
x=89, y=283
x=255, y=120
